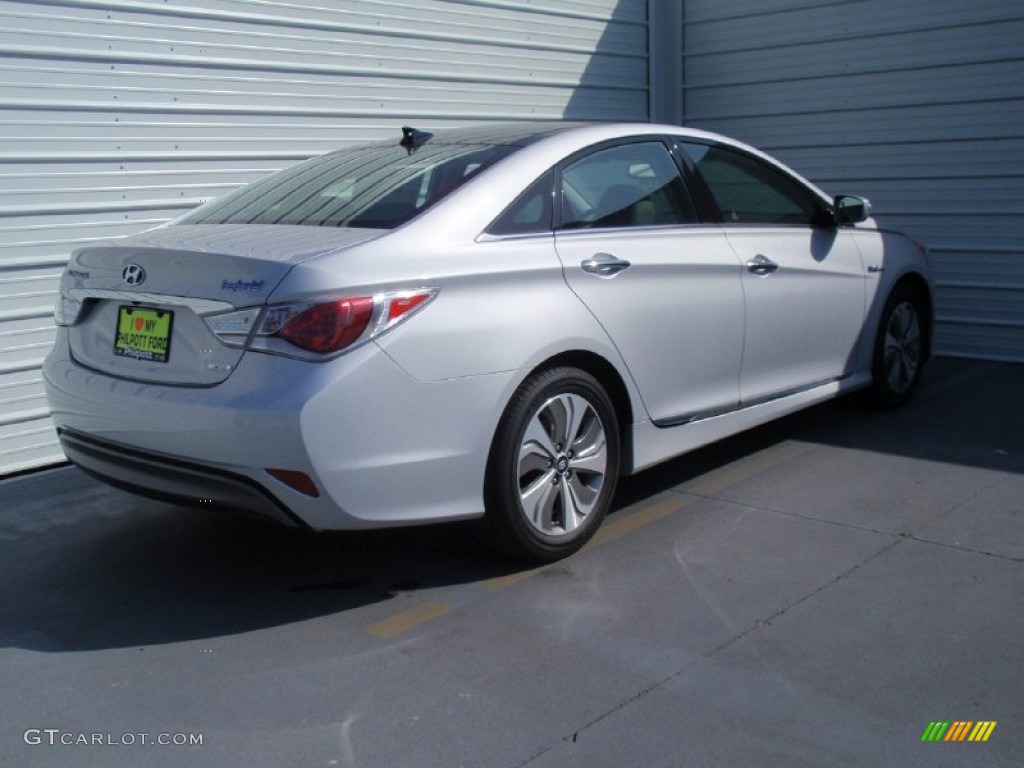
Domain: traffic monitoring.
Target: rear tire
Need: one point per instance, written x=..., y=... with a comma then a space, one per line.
x=553, y=466
x=899, y=352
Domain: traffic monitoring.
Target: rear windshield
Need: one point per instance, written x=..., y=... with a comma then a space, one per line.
x=379, y=186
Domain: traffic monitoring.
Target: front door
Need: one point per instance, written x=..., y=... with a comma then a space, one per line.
x=804, y=281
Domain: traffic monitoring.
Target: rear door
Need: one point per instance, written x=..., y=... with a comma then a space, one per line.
x=804, y=281
x=665, y=287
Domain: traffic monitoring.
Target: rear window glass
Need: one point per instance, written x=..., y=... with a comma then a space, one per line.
x=379, y=187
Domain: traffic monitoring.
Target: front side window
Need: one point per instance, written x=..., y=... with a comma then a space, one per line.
x=749, y=191
x=630, y=185
x=379, y=187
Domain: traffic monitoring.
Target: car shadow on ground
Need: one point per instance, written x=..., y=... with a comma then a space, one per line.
x=966, y=413
x=162, y=574
x=128, y=572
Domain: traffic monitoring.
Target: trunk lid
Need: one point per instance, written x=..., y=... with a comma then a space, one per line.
x=144, y=297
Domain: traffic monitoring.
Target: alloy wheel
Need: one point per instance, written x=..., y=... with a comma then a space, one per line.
x=902, y=352
x=562, y=464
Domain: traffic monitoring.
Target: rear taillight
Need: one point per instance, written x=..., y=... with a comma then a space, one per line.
x=329, y=327
x=318, y=329
x=400, y=306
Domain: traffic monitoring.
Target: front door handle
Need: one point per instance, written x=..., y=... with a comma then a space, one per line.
x=604, y=265
x=761, y=265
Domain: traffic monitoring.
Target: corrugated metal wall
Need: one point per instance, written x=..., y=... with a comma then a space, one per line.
x=116, y=116
x=919, y=106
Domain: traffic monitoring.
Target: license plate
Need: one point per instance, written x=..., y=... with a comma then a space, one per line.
x=144, y=334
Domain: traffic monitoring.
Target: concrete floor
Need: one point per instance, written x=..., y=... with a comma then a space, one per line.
x=813, y=593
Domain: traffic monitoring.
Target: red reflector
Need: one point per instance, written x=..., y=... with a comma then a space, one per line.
x=400, y=307
x=298, y=481
x=331, y=326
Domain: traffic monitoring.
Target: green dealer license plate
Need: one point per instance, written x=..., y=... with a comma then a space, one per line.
x=144, y=334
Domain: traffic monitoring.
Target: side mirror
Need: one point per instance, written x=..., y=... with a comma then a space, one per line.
x=850, y=209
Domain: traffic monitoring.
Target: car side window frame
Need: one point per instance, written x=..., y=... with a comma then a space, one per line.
x=707, y=209
x=567, y=162
x=823, y=219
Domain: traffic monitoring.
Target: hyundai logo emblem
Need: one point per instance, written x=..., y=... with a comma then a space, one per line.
x=133, y=274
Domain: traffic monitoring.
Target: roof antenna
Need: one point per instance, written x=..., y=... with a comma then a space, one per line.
x=413, y=139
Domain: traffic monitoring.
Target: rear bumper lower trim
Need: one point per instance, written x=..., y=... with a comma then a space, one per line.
x=171, y=479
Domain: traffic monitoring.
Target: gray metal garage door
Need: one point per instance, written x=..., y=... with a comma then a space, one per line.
x=919, y=106
x=116, y=116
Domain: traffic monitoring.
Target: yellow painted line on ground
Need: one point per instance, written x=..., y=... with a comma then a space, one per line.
x=618, y=528
x=720, y=479
x=610, y=531
x=500, y=582
x=400, y=623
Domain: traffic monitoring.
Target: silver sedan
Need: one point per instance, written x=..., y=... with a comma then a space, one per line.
x=482, y=323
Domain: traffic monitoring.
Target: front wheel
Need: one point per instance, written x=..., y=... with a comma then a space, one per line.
x=553, y=466
x=899, y=349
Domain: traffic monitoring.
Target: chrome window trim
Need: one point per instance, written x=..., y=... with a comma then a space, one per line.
x=487, y=237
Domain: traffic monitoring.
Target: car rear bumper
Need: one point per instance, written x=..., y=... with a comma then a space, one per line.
x=381, y=448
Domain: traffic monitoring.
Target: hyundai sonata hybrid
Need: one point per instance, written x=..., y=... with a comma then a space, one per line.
x=488, y=323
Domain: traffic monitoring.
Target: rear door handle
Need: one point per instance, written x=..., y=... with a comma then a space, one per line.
x=761, y=265
x=604, y=265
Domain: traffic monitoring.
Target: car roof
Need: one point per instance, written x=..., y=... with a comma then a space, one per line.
x=522, y=134
x=518, y=134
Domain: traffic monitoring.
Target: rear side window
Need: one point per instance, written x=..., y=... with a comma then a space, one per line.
x=531, y=211
x=378, y=187
x=749, y=191
x=630, y=185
